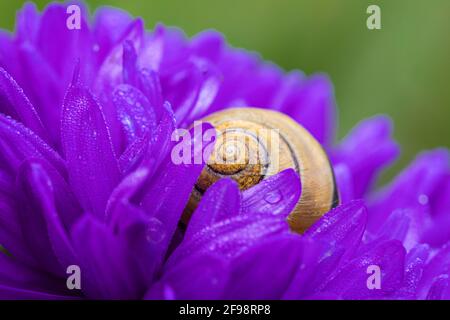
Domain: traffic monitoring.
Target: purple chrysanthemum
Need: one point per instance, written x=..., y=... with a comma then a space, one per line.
x=86, y=178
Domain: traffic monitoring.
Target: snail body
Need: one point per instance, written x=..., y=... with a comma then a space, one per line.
x=252, y=144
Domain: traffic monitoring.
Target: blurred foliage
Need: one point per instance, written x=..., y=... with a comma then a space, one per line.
x=402, y=70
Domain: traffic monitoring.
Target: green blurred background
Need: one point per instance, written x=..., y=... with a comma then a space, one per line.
x=402, y=70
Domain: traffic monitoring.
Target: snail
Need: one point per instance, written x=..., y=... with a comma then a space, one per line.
x=252, y=144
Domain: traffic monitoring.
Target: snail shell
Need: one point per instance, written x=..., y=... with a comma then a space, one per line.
x=252, y=144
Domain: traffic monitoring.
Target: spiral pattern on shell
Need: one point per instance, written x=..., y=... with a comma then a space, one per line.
x=252, y=144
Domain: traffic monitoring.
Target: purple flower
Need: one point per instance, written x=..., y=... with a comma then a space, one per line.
x=86, y=177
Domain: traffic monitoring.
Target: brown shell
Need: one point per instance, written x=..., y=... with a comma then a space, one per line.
x=281, y=143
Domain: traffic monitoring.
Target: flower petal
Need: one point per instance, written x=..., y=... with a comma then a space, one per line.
x=47, y=102
x=440, y=290
x=415, y=264
x=150, y=85
x=277, y=195
x=411, y=191
x=350, y=282
x=312, y=105
x=191, y=89
x=152, y=149
x=168, y=192
x=91, y=162
x=344, y=182
x=365, y=151
x=42, y=227
x=110, y=26
x=231, y=237
x=266, y=270
x=27, y=23
x=13, y=102
x=143, y=234
x=18, y=143
x=61, y=46
x=437, y=266
x=110, y=75
x=134, y=111
x=343, y=226
x=210, y=274
x=108, y=269
x=16, y=277
x=221, y=201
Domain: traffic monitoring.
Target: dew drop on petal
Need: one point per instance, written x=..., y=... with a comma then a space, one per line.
x=273, y=197
x=155, y=231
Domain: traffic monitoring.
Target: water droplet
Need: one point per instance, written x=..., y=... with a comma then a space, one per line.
x=155, y=231
x=423, y=199
x=273, y=197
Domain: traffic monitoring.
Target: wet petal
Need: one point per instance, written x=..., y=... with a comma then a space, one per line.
x=167, y=194
x=154, y=50
x=134, y=111
x=14, y=293
x=440, y=290
x=91, y=162
x=344, y=182
x=150, y=149
x=108, y=268
x=111, y=72
x=210, y=274
x=110, y=75
x=150, y=85
x=312, y=105
x=110, y=26
x=13, y=102
x=343, y=226
x=42, y=228
x=47, y=102
x=18, y=143
x=191, y=90
x=415, y=263
x=221, y=201
x=143, y=234
x=276, y=195
x=130, y=71
x=402, y=226
x=318, y=264
x=350, y=282
x=231, y=237
x=8, y=53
